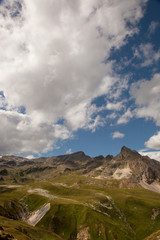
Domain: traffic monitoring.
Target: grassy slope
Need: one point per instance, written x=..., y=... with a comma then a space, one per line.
x=154, y=236
x=22, y=231
x=130, y=216
x=137, y=206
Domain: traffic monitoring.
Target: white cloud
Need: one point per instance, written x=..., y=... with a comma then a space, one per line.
x=20, y=134
x=125, y=117
x=118, y=135
x=69, y=151
x=154, y=142
x=147, y=97
x=114, y=106
x=152, y=27
x=153, y=155
x=2, y=102
x=30, y=157
x=147, y=54
x=111, y=116
x=52, y=63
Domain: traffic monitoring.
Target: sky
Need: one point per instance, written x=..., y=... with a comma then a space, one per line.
x=79, y=75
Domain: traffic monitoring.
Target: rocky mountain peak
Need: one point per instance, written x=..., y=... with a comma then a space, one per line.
x=127, y=153
x=125, y=150
x=109, y=157
x=100, y=157
x=128, y=164
x=79, y=154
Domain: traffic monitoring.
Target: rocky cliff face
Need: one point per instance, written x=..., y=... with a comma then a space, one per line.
x=14, y=210
x=129, y=167
x=142, y=168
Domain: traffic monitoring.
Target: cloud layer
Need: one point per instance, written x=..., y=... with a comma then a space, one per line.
x=54, y=62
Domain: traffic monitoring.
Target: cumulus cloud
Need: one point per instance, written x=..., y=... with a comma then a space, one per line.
x=153, y=154
x=146, y=53
x=114, y=106
x=118, y=135
x=54, y=62
x=125, y=117
x=20, y=134
x=154, y=142
x=147, y=97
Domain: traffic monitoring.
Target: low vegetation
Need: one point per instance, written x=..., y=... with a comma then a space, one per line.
x=81, y=207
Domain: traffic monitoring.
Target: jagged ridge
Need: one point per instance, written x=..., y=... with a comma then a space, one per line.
x=128, y=165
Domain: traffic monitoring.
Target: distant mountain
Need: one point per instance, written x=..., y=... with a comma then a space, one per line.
x=128, y=166
x=132, y=168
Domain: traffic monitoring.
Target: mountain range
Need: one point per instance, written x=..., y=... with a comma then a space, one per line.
x=76, y=197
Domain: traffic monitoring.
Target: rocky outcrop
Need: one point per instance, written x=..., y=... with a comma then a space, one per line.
x=12, y=163
x=149, y=175
x=4, y=172
x=83, y=234
x=13, y=210
x=109, y=157
x=4, y=235
x=155, y=213
x=36, y=169
x=143, y=168
x=128, y=166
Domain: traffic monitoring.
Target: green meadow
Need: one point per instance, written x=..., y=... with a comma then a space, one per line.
x=102, y=209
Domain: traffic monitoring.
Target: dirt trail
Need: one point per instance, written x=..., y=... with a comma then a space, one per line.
x=11, y=186
x=38, y=214
x=46, y=194
x=42, y=192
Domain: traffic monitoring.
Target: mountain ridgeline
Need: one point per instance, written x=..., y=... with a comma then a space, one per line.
x=76, y=197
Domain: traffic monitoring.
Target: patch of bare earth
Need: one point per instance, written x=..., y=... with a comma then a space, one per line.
x=83, y=234
x=37, y=215
x=46, y=194
x=155, y=213
x=122, y=173
x=155, y=187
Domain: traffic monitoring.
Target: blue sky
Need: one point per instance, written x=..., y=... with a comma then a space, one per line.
x=79, y=76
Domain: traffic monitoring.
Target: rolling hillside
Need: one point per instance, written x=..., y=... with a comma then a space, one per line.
x=76, y=197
